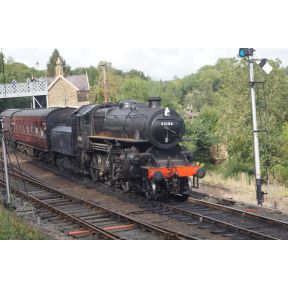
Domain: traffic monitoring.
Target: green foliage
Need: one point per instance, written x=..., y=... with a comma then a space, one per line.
x=224, y=88
x=281, y=166
x=13, y=228
x=51, y=65
x=15, y=103
x=134, y=88
x=201, y=132
x=219, y=93
x=139, y=74
x=1, y=62
x=17, y=71
x=114, y=80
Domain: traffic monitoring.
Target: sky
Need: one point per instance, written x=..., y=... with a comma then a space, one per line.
x=158, y=63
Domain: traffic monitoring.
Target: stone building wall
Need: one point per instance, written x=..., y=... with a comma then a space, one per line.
x=63, y=94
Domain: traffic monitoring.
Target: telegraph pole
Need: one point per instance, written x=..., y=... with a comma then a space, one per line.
x=4, y=152
x=7, y=200
x=104, y=66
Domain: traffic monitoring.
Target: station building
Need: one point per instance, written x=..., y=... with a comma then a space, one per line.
x=70, y=91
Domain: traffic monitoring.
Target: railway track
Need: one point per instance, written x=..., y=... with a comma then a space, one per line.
x=83, y=219
x=225, y=220
x=221, y=220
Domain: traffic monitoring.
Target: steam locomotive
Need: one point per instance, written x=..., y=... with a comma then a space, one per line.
x=131, y=145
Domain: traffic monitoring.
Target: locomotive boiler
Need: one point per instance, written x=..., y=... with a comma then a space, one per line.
x=130, y=145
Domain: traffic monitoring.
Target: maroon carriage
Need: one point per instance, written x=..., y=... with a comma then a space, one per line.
x=7, y=118
x=32, y=127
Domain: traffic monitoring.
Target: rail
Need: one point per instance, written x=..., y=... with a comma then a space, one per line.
x=93, y=218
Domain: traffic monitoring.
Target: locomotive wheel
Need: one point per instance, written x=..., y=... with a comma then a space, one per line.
x=111, y=181
x=95, y=167
x=126, y=186
x=60, y=165
x=150, y=192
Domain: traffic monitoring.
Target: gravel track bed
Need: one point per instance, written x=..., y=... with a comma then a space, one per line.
x=116, y=200
x=111, y=198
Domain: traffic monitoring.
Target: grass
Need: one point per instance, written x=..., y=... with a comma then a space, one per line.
x=15, y=228
x=243, y=187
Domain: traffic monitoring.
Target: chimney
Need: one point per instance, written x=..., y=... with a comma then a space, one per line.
x=59, y=68
x=154, y=102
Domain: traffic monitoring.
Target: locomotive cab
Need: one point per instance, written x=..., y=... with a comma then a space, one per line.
x=81, y=124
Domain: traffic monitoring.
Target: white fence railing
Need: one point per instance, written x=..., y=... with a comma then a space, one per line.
x=29, y=89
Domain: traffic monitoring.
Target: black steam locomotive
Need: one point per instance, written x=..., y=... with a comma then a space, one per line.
x=132, y=145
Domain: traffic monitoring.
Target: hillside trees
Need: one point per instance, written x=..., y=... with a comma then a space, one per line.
x=17, y=71
x=219, y=93
x=201, y=131
x=224, y=89
x=281, y=165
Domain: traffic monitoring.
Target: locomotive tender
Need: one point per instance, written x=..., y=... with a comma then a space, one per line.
x=130, y=144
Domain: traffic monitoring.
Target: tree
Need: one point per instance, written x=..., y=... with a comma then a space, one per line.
x=135, y=73
x=51, y=65
x=18, y=71
x=134, y=88
x=201, y=131
x=1, y=62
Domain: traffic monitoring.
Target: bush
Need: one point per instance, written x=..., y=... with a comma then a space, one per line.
x=281, y=173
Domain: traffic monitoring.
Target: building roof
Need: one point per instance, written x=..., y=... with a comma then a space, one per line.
x=79, y=81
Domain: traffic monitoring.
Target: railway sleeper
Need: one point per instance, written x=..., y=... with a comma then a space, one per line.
x=47, y=197
x=205, y=225
x=182, y=218
x=104, y=223
x=90, y=217
x=58, y=202
x=94, y=215
x=69, y=207
x=82, y=211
